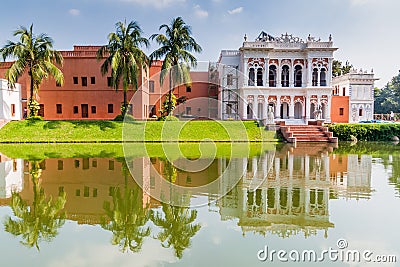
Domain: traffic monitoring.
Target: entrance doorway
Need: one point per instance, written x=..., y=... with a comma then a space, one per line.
x=85, y=110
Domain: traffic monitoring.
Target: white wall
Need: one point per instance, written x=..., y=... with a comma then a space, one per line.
x=8, y=97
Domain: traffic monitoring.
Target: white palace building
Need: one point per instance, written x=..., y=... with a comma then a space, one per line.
x=292, y=75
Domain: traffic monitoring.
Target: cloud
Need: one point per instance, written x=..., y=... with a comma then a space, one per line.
x=74, y=12
x=155, y=3
x=199, y=12
x=235, y=11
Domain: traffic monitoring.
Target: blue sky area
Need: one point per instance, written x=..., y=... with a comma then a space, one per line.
x=365, y=31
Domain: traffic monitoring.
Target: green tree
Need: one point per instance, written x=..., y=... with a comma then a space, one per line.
x=387, y=99
x=125, y=57
x=35, y=54
x=338, y=69
x=126, y=217
x=175, y=49
x=177, y=227
x=40, y=220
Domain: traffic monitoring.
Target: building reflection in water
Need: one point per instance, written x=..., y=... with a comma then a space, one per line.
x=282, y=192
x=11, y=176
x=287, y=191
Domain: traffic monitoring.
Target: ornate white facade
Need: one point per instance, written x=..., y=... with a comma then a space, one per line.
x=290, y=75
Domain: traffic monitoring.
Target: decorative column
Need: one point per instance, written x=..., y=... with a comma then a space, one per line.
x=309, y=72
x=278, y=107
x=307, y=108
x=266, y=72
x=291, y=75
x=328, y=109
x=246, y=72
x=318, y=77
x=291, y=108
x=329, y=73
x=255, y=107
x=279, y=76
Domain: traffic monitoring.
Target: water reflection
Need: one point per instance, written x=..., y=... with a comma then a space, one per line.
x=177, y=227
x=294, y=190
x=127, y=216
x=38, y=218
x=282, y=192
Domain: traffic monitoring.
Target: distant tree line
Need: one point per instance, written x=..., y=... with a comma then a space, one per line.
x=387, y=99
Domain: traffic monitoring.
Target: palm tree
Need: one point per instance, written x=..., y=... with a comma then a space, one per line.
x=35, y=54
x=127, y=217
x=176, y=47
x=177, y=227
x=124, y=57
x=39, y=221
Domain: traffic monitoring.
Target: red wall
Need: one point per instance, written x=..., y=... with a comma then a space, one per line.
x=337, y=103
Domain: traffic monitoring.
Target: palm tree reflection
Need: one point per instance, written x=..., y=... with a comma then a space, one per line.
x=177, y=227
x=176, y=222
x=40, y=220
x=127, y=216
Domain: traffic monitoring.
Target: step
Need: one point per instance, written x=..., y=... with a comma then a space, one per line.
x=305, y=132
x=312, y=139
x=311, y=135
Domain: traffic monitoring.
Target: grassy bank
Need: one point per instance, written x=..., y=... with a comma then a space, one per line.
x=366, y=132
x=113, y=131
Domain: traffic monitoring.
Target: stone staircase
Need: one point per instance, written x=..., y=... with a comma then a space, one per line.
x=307, y=133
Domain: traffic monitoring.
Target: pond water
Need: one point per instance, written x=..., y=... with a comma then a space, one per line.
x=89, y=211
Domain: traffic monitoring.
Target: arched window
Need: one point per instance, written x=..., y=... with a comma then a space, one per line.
x=315, y=77
x=322, y=77
x=285, y=76
x=251, y=77
x=259, y=77
x=272, y=76
x=298, y=110
x=298, y=76
x=312, y=109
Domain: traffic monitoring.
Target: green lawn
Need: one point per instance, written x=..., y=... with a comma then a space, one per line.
x=112, y=131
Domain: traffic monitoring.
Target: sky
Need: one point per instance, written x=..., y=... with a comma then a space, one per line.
x=365, y=31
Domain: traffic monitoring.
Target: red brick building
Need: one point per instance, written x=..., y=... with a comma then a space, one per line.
x=87, y=94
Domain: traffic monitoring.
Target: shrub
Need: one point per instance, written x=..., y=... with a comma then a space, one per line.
x=366, y=132
x=34, y=118
x=121, y=117
x=168, y=118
